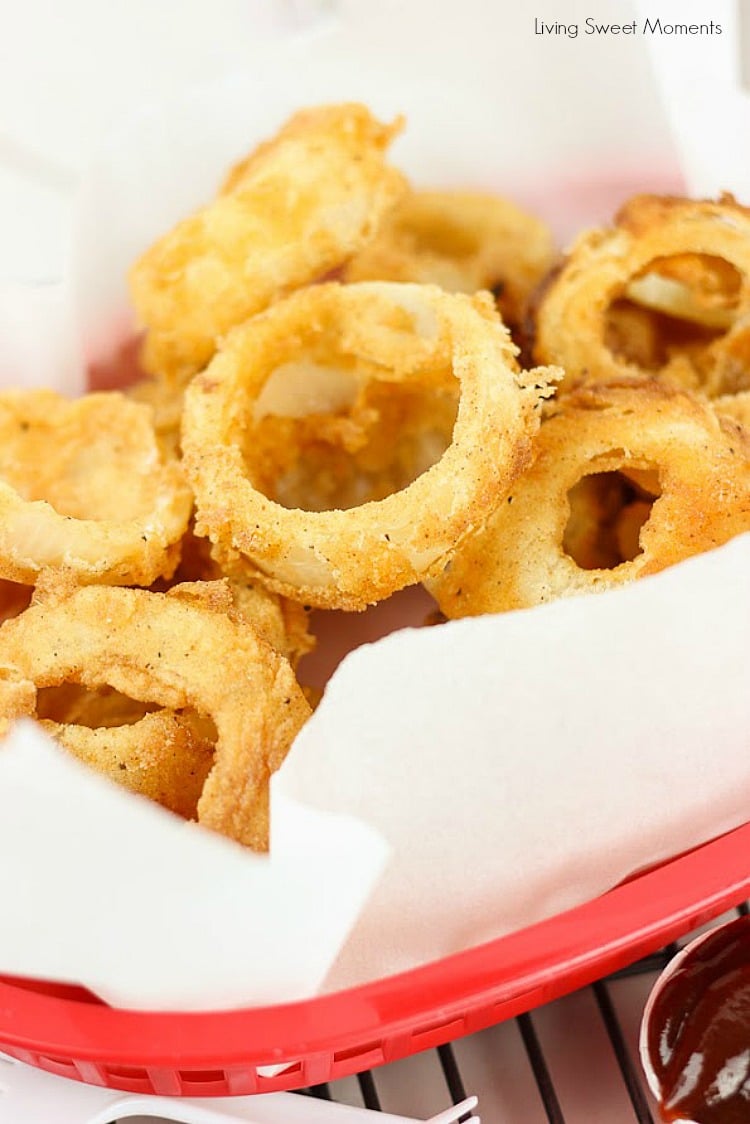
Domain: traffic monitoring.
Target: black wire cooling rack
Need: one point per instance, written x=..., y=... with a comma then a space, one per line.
x=572, y=1062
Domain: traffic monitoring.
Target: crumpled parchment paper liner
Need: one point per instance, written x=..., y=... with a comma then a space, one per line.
x=39, y=345
x=107, y=889
x=475, y=83
x=520, y=764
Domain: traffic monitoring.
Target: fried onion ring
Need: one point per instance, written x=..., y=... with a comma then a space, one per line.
x=673, y=272
x=284, y=624
x=735, y=406
x=394, y=333
x=463, y=242
x=163, y=755
x=171, y=650
x=83, y=489
x=519, y=558
x=295, y=209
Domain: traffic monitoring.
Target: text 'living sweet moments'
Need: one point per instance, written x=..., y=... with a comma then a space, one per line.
x=657, y=26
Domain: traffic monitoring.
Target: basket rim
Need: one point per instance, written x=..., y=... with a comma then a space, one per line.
x=536, y=963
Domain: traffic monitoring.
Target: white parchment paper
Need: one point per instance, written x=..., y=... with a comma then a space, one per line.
x=107, y=889
x=519, y=764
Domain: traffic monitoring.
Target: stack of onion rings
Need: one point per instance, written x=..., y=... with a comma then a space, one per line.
x=395, y=334
x=346, y=440
x=295, y=209
x=176, y=652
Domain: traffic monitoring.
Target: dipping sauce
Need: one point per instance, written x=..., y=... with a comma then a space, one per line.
x=699, y=1032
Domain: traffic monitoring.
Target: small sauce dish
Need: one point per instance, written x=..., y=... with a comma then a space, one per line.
x=695, y=1032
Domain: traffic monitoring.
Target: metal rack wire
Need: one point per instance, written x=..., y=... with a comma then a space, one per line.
x=602, y=1025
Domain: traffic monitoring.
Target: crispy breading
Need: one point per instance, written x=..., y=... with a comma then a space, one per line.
x=635, y=426
x=676, y=273
x=462, y=241
x=175, y=652
x=416, y=335
x=298, y=207
x=283, y=623
x=83, y=489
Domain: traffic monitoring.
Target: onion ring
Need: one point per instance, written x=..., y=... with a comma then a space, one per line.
x=463, y=242
x=169, y=650
x=664, y=255
x=284, y=624
x=163, y=755
x=519, y=559
x=735, y=406
x=295, y=209
x=396, y=333
x=83, y=489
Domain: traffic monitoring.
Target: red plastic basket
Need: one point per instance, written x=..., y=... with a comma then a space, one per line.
x=69, y=1032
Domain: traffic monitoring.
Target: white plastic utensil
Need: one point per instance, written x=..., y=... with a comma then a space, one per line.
x=705, y=82
x=30, y=1096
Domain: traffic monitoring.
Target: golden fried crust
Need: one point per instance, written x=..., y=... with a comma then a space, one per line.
x=84, y=490
x=463, y=242
x=684, y=259
x=396, y=333
x=172, y=651
x=635, y=427
x=294, y=210
x=284, y=624
x=642, y=213
x=735, y=407
x=162, y=755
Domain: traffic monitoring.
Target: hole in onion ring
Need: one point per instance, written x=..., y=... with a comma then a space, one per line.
x=14, y=598
x=322, y=440
x=649, y=339
x=160, y=753
x=438, y=234
x=105, y=708
x=97, y=708
x=607, y=512
x=675, y=305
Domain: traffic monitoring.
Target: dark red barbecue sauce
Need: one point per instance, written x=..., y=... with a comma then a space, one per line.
x=699, y=1032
